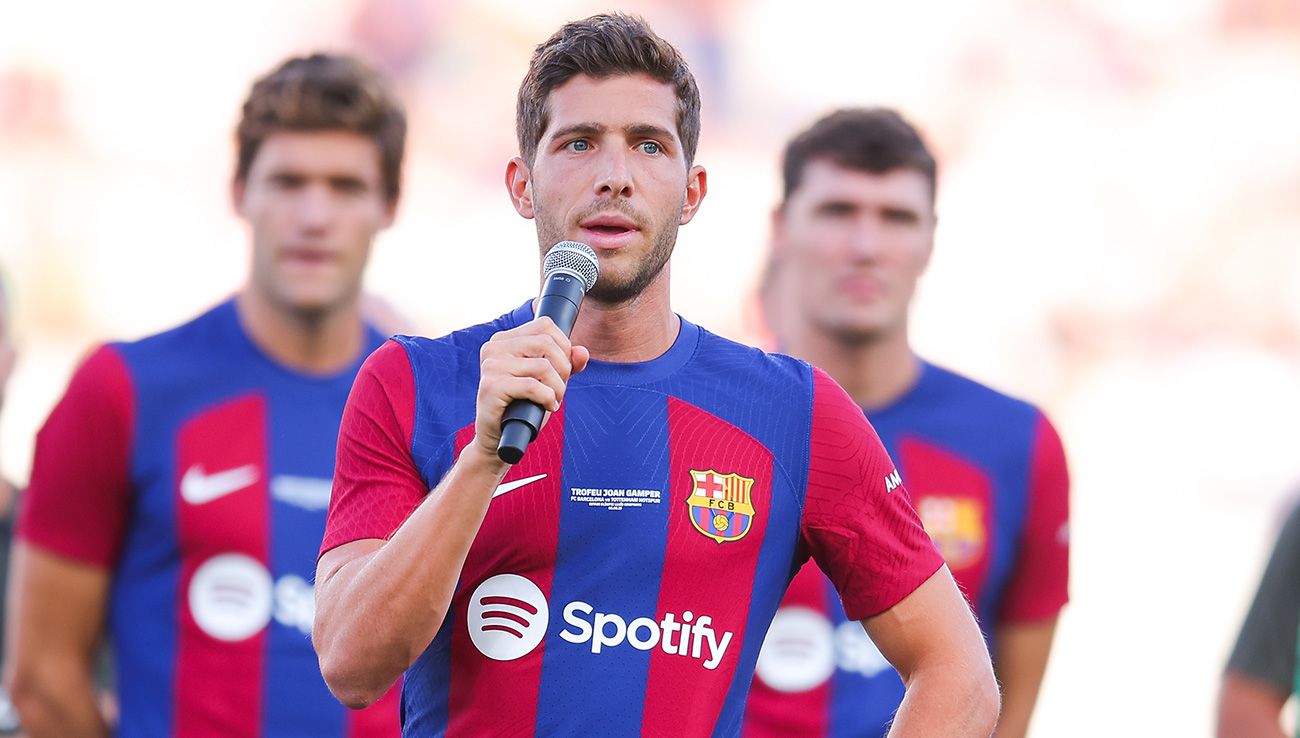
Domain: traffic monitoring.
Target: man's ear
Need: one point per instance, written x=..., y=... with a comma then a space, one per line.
x=519, y=184
x=390, y=209
x=238, y=186
x=697, y=186
x=776, y=226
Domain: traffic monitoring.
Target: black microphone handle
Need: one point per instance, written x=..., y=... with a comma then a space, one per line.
x=561, y=297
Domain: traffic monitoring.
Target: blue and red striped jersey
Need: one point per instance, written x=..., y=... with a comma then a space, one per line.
x=196, y=471
x=629, y=565
x=989, y=479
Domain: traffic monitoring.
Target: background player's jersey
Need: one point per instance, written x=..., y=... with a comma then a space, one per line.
x=988, y=476
x=197, y=471
x=627, y=568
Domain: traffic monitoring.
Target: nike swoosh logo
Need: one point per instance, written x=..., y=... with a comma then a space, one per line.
x=512, y=486
x=198, y=488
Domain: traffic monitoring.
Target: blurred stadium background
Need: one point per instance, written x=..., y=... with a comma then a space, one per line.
x=1119, y=216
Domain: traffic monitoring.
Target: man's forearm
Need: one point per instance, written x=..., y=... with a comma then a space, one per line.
x=958, y=702
x=1021, y=661
x=58, y=705
x=378, y=612
x=1249, y=707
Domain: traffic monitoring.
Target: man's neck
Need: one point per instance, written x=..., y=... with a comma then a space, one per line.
x=323, y=344
x=875, y=373
x=640, y=329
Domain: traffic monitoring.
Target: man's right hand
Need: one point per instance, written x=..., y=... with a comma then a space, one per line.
x=531, y=362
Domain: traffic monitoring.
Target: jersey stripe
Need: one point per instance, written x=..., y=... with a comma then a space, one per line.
x=222, y=518
x=616, y=448
x=510, y=685
x=804, y=708
x=695, y=570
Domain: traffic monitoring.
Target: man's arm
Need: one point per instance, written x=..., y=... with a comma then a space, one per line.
x=56, y=616
x=932, y=640
x=1021, y=659
x=379, y=603
x=1250, y=707
x=1262, y=667
x=70, y=528
x=1039, y=585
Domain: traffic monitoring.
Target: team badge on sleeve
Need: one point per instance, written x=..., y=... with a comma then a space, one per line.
x=720, y=505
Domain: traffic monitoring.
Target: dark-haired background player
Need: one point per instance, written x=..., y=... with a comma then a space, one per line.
x=851, y=238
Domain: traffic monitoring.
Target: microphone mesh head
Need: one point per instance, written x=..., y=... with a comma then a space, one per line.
x=575, y=258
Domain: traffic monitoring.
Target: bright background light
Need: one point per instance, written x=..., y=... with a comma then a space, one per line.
x=1119, y=200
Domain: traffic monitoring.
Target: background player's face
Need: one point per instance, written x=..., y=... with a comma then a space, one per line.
x=851, y=246
x=610, y=172
x=314, y=201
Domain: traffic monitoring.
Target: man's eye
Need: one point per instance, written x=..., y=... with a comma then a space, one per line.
x=650, y=147
x=579, y=145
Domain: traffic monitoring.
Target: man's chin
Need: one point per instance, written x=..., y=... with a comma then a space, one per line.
x=857, y=331
x=312, y=306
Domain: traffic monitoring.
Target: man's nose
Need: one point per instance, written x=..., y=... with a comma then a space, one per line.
x=315, y=207
x=865, y=238
x=614, y=178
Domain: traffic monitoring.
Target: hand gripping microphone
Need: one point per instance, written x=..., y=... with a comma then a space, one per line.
x=569, y=270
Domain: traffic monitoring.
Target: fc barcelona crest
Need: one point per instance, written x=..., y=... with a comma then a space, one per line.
x=957, y=527
x=720, y=505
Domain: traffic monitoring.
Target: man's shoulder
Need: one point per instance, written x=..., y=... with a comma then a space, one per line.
x=952, y=389
x=719, y=354
x=208, y=333
x=454, y=351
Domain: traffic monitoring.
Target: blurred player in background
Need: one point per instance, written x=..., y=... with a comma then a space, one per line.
x=179, y=488
x=851, y=238
x=8, y=499
x=618, y=580
x=1263, y=671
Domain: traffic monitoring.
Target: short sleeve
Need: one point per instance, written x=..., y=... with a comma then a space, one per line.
x=77, y=502
x=1266, y=646
x=376, y=484
x=1039, y=586
x=858, y=520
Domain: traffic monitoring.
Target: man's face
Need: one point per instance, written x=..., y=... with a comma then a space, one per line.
x=610, y=172
x=850, y=247
x=314, y=201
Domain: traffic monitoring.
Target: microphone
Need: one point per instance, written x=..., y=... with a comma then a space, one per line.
x=568, y=271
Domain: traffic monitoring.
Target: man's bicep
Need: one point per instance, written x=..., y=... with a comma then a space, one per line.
x=931, y=626
x=335, y=560
x=56, y=607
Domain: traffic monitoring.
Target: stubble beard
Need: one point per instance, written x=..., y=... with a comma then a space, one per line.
x=610, y=289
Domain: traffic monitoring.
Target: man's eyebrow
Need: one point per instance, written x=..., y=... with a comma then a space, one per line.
x=647, y=130
x=581, y=129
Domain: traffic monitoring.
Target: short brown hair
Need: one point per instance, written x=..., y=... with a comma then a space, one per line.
x=325, y=92
x=875, y=140
x=604, y=46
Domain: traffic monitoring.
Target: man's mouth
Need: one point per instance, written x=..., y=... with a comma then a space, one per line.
x=308, y=256
x=607, y=230
x=610, y=224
